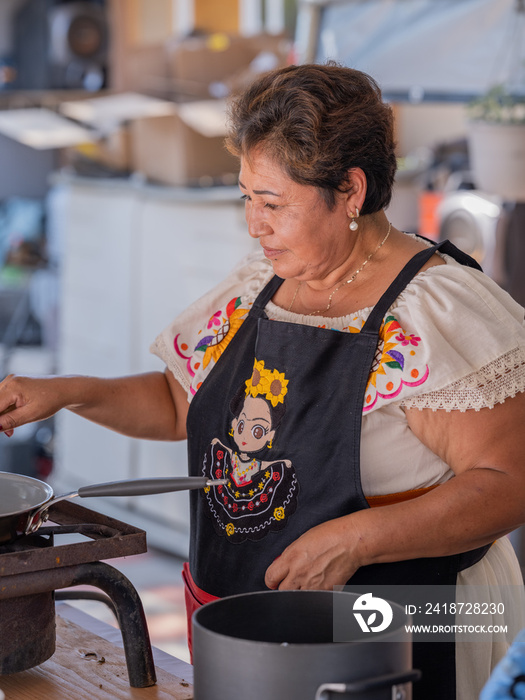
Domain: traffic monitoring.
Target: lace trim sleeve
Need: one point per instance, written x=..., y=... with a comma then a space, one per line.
x=502, y=378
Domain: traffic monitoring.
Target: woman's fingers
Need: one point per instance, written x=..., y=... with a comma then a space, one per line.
x=8, y=404
x=13, y=418
x=24, y=400
x=8, y=409
x=276, y=573
x=3, y=425
x=320, y=559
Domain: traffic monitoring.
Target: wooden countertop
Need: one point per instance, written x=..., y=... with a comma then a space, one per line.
x=85, y=666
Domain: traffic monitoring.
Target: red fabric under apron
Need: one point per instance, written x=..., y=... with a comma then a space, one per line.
x=194, y=598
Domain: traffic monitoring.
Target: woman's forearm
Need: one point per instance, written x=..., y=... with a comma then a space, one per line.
x=457, y=516
x=141, y=406
x=483, y=501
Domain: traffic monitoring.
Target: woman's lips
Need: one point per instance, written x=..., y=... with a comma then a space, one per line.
x=272, y=252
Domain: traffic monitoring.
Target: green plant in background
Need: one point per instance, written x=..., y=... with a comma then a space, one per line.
x=498, y=106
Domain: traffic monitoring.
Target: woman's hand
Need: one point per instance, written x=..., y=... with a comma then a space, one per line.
x=323, y=557
x=28, y=399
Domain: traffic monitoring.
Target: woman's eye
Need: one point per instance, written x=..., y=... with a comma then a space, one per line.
x=240, y=426
x=267, y=205
x=258, y=432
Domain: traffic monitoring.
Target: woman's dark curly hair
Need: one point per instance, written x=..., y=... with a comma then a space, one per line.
x=317, y=122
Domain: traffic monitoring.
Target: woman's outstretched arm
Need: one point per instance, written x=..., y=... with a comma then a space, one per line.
x=152, y=406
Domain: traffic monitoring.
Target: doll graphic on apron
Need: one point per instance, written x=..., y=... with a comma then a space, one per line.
x=261, y=492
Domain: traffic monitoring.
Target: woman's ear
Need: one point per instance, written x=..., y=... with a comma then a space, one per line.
x=355, y=191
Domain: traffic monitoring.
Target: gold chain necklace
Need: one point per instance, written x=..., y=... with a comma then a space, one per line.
x=348, y=281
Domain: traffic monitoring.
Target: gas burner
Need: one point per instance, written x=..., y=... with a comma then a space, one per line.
x=33, y=567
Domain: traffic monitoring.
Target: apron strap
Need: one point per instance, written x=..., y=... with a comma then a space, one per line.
x=264, y=297
x=373, y=323
x=459, y=255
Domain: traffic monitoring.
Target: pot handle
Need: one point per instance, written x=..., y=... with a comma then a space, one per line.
x=392, y=679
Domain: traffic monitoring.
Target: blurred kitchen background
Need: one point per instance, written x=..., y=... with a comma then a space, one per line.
x=118, y=202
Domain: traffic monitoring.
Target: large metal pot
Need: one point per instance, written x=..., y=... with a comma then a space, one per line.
x=24, y=501
x=279, y=645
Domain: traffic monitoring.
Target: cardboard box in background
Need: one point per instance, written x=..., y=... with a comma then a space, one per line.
x=170, y=143
x=217, y=64
x=166, y=142
x=147, y=70
x=184, y=148
x=112, y=151
x=108, y=116
x=179, y=141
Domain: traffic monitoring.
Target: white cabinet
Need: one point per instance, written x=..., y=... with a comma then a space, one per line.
x=133, y=258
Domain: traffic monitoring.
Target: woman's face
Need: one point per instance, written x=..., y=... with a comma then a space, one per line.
x=252, y=428
x=301, y=236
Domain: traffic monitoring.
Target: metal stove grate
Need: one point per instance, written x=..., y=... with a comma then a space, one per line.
x=36, y=565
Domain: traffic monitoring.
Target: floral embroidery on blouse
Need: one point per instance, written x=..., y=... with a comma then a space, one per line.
x=219, y=332
x=395, y=364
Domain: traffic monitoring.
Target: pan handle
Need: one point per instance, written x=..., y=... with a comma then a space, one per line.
x=147, y=487
x=361, y=686
x=38, y=517
x=133, y=487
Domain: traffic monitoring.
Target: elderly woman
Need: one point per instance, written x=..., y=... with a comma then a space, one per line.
x=345, y=365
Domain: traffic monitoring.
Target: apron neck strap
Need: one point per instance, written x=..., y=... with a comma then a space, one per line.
x=264, y=297
x=375, y=319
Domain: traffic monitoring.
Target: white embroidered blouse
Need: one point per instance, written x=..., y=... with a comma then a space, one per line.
x=453, y=340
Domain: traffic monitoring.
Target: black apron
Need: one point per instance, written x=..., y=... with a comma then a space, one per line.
x=279, y=416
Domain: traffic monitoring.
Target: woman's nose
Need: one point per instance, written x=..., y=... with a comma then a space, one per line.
x=257, y=225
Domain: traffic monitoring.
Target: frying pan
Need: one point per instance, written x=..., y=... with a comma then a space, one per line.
x=24, y=501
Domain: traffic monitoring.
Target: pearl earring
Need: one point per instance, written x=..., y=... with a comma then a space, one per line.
x=353, y=225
